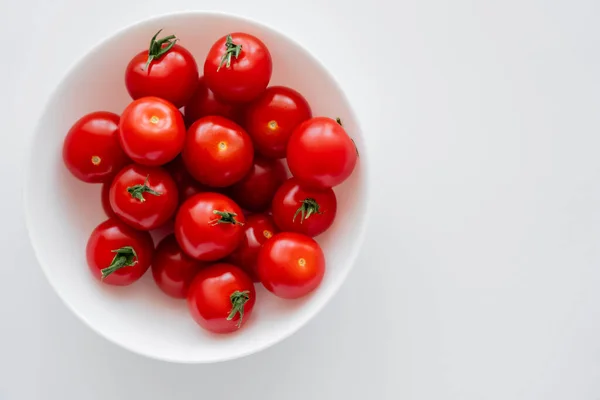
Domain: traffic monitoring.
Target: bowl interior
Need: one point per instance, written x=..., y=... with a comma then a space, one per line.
x=61, y=211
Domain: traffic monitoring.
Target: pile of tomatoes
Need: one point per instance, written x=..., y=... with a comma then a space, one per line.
x=205, y=157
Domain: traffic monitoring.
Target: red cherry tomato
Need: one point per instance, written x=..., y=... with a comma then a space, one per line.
x=272, y=117
x=91, y=149
x=258, y=229
x=204, y=103
x=166, y=70
x=143, y=197
x=255, y=191
x=118, y=254
x=186, y=184
x=152, y=131
x=209, y=226
x=320, y=153
x=291, y=265
x=172, y=269
x=238, y=67
x=106, y=200
x=217, y=151
x=221, y=298
x=303, y=210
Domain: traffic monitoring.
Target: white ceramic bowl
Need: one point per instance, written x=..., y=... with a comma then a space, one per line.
x=61, y=211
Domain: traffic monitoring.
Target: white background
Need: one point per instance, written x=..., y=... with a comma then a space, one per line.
x=480, y=276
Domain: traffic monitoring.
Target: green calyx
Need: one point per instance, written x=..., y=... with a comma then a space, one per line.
x=157, y=50
x=339, y=121
x=225, y=217
x=238, y=300
x=124, y=257
x=307, y=208
x=137, y=191
x=231, y=49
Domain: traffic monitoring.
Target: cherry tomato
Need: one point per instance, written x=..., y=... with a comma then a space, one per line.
x=172, y=269
x=238, y=67
x=272, y=117
x=204, y=103
x=118, y=254
x=143, y=197
x=166, y=70
x=320, y=153
x=106, y=200
x=258, y=229
x=255, y=191
x=91, y=149
x=209, y=226
x=186, y=184
x=303, y=210
x=217, y=151
x=221, y=298
x=152, y=131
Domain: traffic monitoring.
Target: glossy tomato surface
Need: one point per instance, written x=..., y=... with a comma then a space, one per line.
x=204, y=103
x=256, y=189
x=118, y=254
x=291, y=265
x=217, y=152
x=172, y=75
x=221, y=298
x=172, y=270
x=320, y=153
x=186, y=184
x=105, y=198
x=91, y=150
x=143, y=197
x=272, y=117
x=258, y=229
x=297, y=208
x=209, y=226
x=152, y=131
x=238, y=67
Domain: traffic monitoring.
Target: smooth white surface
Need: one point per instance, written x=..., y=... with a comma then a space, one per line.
x=480, y=275
x=140, y=317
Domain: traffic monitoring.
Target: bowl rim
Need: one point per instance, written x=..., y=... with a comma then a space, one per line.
x=306, y=317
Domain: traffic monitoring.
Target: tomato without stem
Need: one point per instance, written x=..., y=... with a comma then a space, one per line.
x=300, y=209
x=291, y=265
x=152, y=131
x=255, y=191
x=91, y=150
x=143, y=197
x=272, y=117
x=172, y=270
x=217, y=151
x=258, y=229
x=238, y=67
x=209, y=226
x=118, y=254
x=166, y=70
x=221, y=298
x=204, y=103
x=320, y=153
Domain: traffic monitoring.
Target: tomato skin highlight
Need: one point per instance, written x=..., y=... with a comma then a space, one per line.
x=258, y=229
x=256, y=189
x=197, y=229
x=204, y=103
x=291, y=265
x=209, y=297
x=320, y=153
x=172, y=77
x=246, y=77
x=289, y=199
x=271, y=119
x=91, y=150
x=113, y=234
x=217, y=151
x=154, y=210
x=152, y=131
x=172, y=270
